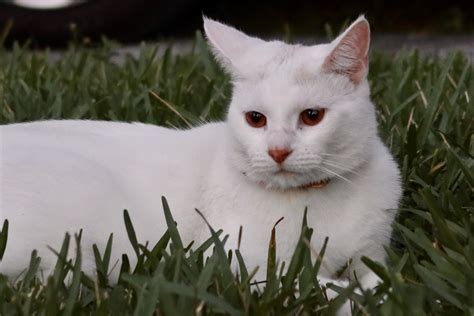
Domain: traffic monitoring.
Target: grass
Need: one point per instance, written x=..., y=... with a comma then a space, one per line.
x=425, y=108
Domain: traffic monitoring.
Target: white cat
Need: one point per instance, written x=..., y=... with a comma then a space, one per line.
x=300, y=132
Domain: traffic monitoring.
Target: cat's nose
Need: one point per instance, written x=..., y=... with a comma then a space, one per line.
x=279, y=154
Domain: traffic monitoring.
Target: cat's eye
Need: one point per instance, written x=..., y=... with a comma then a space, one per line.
x=256, y=119
x=312, y=116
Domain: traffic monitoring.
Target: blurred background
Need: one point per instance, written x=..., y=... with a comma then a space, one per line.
x=54, y=22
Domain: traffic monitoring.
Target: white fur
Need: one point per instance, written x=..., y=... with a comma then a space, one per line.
x=58, y=176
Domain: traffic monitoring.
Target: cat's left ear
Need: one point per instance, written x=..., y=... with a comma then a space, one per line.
x=349, y=55
x=227, y=43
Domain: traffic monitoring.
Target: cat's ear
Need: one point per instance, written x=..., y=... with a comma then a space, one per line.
x=227, y=43
x=349, y=54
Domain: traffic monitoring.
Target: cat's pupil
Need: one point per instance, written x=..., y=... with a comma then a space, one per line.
x=313, y=114
x=256, y=117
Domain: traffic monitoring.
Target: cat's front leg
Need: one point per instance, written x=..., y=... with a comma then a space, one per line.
x=367, y=282
x=345, y=309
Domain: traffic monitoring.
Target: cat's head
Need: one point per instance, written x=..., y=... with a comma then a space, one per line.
x=299, y=114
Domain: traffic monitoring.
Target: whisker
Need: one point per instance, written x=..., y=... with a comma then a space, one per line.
x=326, y=170
x=340, y=167
x=260, y=163
x=263, y=169
x=335, y=174
x=335, y=155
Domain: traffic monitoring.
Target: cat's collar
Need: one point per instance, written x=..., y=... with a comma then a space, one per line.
x=312, y=185
x=316, y=185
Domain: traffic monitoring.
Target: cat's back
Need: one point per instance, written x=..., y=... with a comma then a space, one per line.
x=56, y=131
x=62, y=151
x=101, y=136
x=65, y=147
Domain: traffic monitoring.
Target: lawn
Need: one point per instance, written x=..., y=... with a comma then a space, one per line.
x=425, y=107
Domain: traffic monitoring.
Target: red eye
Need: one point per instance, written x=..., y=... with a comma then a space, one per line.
x=312, y=116
x=256, y=119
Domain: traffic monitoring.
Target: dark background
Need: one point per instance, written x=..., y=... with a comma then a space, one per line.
x=136, y=20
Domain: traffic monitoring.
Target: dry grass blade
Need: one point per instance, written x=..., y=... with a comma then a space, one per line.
x=171, y=107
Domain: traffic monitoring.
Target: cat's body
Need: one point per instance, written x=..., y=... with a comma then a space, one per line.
x=106, y=167
x=58, y=176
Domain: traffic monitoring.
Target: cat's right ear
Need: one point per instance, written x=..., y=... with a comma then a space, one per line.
x=228, y=44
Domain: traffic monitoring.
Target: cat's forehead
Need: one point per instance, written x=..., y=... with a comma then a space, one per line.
x=292, y=72
x=276, y=59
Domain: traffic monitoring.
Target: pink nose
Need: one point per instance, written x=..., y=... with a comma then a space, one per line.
x=279, y=154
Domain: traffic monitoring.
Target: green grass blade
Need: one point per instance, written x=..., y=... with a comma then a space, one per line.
x=132, y=237
x=3, y=238
x=172, y=227
x=76, y=280
x=434, y=102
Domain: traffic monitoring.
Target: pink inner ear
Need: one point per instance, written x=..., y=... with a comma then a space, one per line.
x=349, y=57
